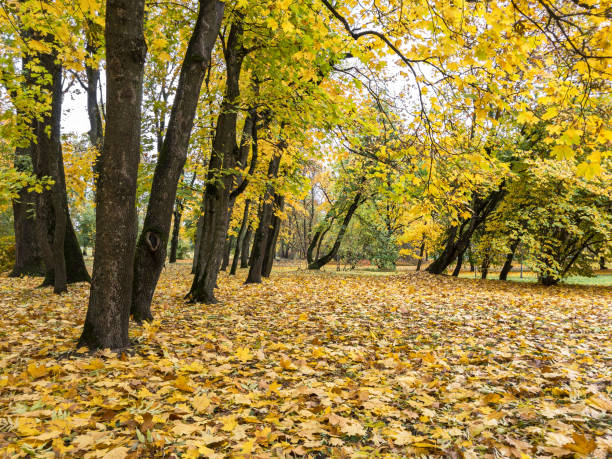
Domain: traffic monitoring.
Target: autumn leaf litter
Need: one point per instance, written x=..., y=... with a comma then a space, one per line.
x=314, y=365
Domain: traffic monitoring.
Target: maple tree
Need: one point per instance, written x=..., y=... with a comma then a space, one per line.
x=318, y=132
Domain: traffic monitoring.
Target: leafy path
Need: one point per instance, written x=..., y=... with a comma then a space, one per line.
x=315, y=364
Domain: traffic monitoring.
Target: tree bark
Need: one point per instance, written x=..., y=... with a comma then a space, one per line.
x=484, y=267
x=246, y=246
x=322, y=261
x=107, y=321
x=260, y=240
x=457, y=269
x=268, y=261
x=196, y=245
x=503, y=274
x=229, y=241
x=151, y=247
x=176, y=228
x=458, y=239
x=420, y=260
x=223, y=158
x=28, y=259
x=241, y=235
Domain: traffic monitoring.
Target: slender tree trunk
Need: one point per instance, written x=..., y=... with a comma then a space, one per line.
x=176, y=228
x=260, y=240
x=196, y=246
x=229, y=242
x=217, y=192
x=320, y=262
x=107, y=321
x=602, y=263
x=420, y=260
x=471, y=258
x=241, y=236
x=457, y=269
x=503, y=275
x=484, y=267
x=268, y=261
x=245, y=250
x=151, y=247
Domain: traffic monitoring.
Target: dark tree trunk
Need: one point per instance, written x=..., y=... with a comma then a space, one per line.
x=176, y=228
x=76, y=271
x=245, y=250
x=107, y=321
x=223, y=157
x=241, y=236
x=602, y=263
x=52, y=206
x=268, y=261
x=322, y=261
x=471, y=258
x=258, y=252
x=457, y=269
x=151, y=247
x=420, y=260
x=484, y=267
x=28, y=259
x=458, y=239
x=229, y=242
x=196, y=245
x=503, y=274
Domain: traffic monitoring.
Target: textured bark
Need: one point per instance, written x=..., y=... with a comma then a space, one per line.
x=107, y=321
x=196, y=246
x=229, y=242
x=458, y=238
x=322, y=261
x=503, y=274
x=52, y=205
x=245, y=253
x=28, y=259
x=261, y=234
x=176, y=228
x=151, y=247
x=268, y=261
x=223, y=158
x=241, y=235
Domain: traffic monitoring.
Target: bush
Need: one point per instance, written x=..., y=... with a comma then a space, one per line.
x=7, y=253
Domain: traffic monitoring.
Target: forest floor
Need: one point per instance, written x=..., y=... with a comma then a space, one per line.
x=314, y=364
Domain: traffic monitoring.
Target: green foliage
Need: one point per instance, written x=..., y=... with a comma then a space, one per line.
x=7, y=253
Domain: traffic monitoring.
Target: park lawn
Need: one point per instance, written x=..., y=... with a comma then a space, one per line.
x=323, y=364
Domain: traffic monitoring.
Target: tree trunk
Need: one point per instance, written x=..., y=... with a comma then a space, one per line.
x=196, y=245
x=420, y=260
x=151, y=247
x=484, y=268
x=217, y=192
x=76, y=271
x=246, y=246
x=229, y=242
x=107, y=321
x=602, y=263
x=241, y=235
x=28, y=259
x=458, y=239
x=503, y=275
x=175, y=231
x=320, y=262
x=268, y=261
x=258, y=252
x=457, y=269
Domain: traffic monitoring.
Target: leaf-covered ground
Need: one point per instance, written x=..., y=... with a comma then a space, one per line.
x=314, y=365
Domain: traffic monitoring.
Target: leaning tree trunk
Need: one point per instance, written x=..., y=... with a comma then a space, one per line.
x=151, y=247
x=268, y=261
x=107, y=321
x=245, y=250
x=223, y=157
x=503, y=274
x=241, y=235
x=322, y=261
x=457, y=269
x=258, y=252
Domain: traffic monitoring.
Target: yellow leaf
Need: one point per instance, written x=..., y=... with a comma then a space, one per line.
x=201, y=403
x=244, y=354
x=36, y=371
x=182, y=383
